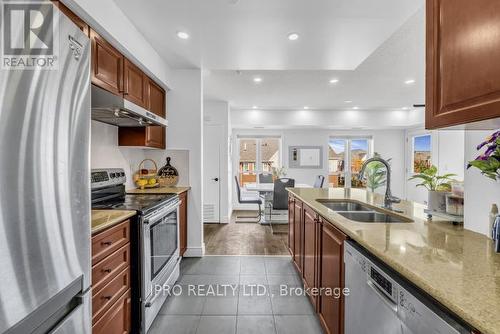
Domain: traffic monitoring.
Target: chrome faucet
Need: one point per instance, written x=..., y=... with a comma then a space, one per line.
x=388, y=199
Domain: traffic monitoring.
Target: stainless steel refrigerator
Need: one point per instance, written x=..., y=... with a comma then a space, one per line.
x=45, y=191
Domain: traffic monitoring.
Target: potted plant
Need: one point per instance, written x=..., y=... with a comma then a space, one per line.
x=437, y=185
x=375, y=174
x=489, y=162
x=279, y=172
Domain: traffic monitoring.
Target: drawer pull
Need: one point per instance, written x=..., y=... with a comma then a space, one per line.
x=106, y=271
x=107, y=297
x=106, y=243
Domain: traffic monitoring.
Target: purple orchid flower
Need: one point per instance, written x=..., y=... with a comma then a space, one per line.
x=489, y=140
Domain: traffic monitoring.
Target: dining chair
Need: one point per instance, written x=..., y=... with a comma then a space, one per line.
x=318, y=183
x=248, y=199
x=265, y=178
x=280, y=195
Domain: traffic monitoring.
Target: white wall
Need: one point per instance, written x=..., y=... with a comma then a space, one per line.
x=178, y=159
x=185, y=105
x=447, y=153
x=339, y=120
x=480, y=192
x=105, y=152
x=389, y=143
x=109, y=21
x=218, y=113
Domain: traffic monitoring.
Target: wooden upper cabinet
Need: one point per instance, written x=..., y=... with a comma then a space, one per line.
x=135, y=84
x=463, y=67
x=156, y=103
x=156, y=99
x=151, y=136
x=72, y=16
x=107, y=65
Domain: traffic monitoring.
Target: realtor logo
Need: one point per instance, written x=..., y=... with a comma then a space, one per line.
x=29, y=37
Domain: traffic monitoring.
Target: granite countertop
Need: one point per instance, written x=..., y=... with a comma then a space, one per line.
x=457, y=267
x=103, y=219
x=159, y=190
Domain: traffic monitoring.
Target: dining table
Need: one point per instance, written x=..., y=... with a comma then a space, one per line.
x=266, y=191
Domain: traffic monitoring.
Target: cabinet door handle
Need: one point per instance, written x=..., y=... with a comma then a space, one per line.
x=106, y=243
x=106, y=297
x=106, y=270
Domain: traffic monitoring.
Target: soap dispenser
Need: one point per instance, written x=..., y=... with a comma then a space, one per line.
x=493, y=215
x=495, y=233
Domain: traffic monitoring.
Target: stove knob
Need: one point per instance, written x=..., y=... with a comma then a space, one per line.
x=112, y=175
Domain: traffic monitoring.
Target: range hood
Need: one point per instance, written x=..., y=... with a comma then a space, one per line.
x=115, y=110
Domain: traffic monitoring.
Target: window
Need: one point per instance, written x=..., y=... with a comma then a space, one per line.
x=258, y=155
x=347, y=152
x=421, y=153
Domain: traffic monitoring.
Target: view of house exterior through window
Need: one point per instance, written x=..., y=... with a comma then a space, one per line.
x=257, y=155
x=421, y=153
x=350, y=152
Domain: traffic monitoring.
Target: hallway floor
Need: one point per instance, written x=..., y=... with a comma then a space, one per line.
x=237, y=308
x=245, y=238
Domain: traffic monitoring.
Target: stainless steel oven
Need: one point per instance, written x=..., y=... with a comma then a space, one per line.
x=160, y=256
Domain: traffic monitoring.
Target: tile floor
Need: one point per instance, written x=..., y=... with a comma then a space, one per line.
x=237, y=308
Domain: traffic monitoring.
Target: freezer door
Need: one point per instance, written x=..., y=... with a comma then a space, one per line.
x=44, y=179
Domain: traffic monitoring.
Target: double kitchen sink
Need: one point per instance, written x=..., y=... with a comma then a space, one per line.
x=362, y=213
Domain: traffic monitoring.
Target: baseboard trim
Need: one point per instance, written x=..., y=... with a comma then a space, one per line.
x=195, y=251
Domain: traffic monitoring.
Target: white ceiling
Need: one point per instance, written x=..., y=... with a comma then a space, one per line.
x=377, y=84
x=372, y=47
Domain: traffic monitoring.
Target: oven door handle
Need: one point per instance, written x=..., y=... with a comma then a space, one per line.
x=150, y=302
x=161, y=214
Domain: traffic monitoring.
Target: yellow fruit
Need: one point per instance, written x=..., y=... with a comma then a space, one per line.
x=142, y=182
x=152, y=181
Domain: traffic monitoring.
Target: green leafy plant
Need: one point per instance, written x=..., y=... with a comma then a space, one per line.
x=279, y=172
x=375, y=175
x=489, y=162
x=432, y=181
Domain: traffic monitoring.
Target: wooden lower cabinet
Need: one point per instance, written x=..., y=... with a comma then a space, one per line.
x=310, y=255
x=291, y=226
x=117, y=319
x=111, y=295
x=318, y=251
x=298, y=222
x=183, y=223
x=331, y=275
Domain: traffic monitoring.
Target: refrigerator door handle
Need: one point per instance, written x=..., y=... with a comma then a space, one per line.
x=53, y=312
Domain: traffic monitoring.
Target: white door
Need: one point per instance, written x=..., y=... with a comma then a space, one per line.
x=213, y=136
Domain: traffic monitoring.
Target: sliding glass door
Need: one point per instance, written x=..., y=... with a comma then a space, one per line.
x=258, y=155
x=345, y=159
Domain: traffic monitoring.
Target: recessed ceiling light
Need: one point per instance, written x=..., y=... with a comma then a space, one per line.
x=348, y=101
x=332, y=81
x=293, y=36
x=257, y=79
x=182, y=35
x=254, y=107
x=405, y=108
x=410, y=81
x=355, y=108
x=306, y=107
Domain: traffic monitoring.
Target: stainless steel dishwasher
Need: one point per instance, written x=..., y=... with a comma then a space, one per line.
x=379, y=302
